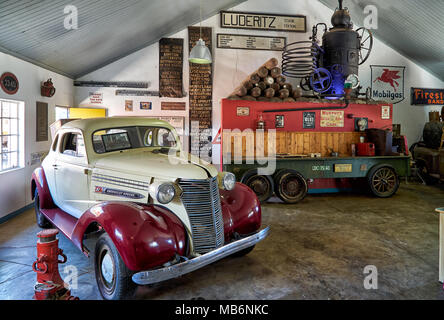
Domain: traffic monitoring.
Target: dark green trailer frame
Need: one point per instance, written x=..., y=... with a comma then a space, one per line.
x=327, y=168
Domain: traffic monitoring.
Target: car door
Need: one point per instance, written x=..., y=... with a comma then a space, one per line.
x=72, y=175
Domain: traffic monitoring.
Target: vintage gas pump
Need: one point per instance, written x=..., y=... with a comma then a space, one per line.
x=50, y=285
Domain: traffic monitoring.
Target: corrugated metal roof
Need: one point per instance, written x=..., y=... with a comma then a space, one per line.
x=34, y=30
x=413, y=28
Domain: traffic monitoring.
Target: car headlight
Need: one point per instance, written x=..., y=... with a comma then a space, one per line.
x=229, y=181
x=165, y=193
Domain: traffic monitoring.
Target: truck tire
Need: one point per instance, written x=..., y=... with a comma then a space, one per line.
x=432, y=134
x=291, y=186
x=113, y=278
x=262, y=186
x=42, y=222
x=383, y=181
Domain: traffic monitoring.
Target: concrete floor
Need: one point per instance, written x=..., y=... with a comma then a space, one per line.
x=317, y=249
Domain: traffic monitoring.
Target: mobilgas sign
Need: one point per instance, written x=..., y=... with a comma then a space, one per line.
x=263, y=21
x=427, y=97
x=388, y=83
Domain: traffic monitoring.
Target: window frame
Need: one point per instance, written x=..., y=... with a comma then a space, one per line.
x=18, y=135
x=62, y=143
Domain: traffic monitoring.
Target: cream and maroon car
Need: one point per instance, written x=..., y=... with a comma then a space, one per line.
x=160, y=213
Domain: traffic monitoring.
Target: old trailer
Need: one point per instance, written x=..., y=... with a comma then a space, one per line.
x=308, y=147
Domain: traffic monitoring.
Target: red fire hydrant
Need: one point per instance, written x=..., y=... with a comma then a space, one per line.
x=50, y=285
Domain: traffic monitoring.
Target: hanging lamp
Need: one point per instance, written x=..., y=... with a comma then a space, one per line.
x=200, y=54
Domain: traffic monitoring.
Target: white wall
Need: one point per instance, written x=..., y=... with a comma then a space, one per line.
x=233, y=66
x=15, y=185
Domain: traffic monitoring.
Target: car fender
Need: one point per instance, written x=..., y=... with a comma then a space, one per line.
x=241, y=211
x=145, y=236
x=39, y=181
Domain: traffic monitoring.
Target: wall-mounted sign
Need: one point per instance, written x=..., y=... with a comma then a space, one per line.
x=280, y=122
x=42, y=122
x=388, y=83
x=171, y=67
x=137, y=93
x=129, y=105
x=309, y=119
x=386, y=113
x=263, y=21
x=146, y=106
x=421, y=96
x=235, y=41
x=95, y=98
x=201, y=97
x=174, y=106
x=9, y=83
x=332, y=119
x=243, y=111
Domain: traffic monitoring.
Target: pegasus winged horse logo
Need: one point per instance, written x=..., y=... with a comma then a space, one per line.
x=390, y=77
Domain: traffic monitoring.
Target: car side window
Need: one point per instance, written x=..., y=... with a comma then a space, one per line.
x=55, y=143
x=165, y=138
x=73, y=145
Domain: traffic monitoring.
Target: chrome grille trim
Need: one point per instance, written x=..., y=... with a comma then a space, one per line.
x=127, y=183
x=202, y=202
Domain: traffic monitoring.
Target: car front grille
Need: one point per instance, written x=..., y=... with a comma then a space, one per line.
x=202, y=202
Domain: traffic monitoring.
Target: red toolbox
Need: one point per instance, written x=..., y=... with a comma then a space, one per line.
x=366, y=150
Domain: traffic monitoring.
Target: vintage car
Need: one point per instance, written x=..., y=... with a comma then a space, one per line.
x=159, y=212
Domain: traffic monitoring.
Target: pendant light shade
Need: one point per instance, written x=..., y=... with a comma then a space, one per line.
x=200, y=53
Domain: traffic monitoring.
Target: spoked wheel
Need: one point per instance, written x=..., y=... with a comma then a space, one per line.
x=305, y=84
x=42, y=222
x=291, y=186
x=261, y=185
x=366, y=38
x=383, y=181
x=113, y=278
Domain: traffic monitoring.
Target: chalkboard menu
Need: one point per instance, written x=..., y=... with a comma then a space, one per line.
x=171, y=68
x=201, y=97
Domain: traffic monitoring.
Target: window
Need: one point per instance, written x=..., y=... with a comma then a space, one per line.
x=116, y=139
x=11, y=134
x=73, y=145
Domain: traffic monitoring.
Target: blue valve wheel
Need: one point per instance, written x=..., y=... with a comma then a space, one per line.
x=321, y=80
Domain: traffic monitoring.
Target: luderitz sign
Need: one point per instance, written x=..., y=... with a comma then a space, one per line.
x=263, y=21
x=388, y=83
x=421, y=96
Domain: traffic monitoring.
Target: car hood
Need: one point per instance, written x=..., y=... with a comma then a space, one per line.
x=147, y=163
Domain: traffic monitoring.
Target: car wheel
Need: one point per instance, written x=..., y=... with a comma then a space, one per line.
x=383, y=181
x=291, y=186
x=243, y=253
x=42, y=222
x=261, y=185
x=113, y=278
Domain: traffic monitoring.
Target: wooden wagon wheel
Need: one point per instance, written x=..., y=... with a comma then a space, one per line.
x=366, y=45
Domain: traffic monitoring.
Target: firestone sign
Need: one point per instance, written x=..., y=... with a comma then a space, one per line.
x=388, y=83
x=425, y=97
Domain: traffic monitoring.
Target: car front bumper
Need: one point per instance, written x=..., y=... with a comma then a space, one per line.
x=177, y=270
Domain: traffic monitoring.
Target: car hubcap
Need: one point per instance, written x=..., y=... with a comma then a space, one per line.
x=107, y=269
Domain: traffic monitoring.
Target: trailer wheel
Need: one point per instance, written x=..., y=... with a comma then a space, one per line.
x=291, y=186
x=261, y=185
x=383, y=181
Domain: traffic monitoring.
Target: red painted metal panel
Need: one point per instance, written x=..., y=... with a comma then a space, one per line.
x=294, y=120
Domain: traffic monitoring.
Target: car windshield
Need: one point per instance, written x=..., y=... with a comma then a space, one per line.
x=117, y=139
